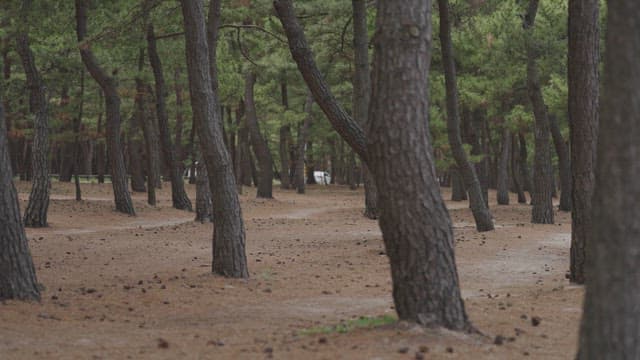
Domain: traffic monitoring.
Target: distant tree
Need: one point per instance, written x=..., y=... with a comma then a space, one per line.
x=611, y=313
x=17, y=273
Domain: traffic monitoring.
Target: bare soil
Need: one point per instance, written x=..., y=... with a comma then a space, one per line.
x=120, y=287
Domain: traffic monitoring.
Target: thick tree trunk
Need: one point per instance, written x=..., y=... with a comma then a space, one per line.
x=564, y=164
x=36, y=213
x=458, y=192
x=584, y=84
x=17, y=273
x=542, y=212
x=611, y=316
x=480, y=211
x=229, y=257
x=179, y=198
x=260, y=148
x=503, y=169
x=421, y=254
x=112, y=104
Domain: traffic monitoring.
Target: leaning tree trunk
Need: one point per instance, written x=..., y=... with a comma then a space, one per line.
x=361, y=95
x=480, y=211
x=112, y=104
x=564, y=164
x=503, y=169
x=36, y=213
x=399, y=153
x=179, y=197
x=229, y=257
x=611, y=316
x=542, y=212
x=17, y=273
x=583, y=82
x=260, y=148
x=303, y=135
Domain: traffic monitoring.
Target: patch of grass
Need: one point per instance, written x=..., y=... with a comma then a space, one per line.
x=350, y=325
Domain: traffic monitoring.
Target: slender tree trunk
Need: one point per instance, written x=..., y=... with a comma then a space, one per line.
x=285, y=137
x=311, y=165
x=179, y=120
x=503, y=169
x=610, y=323
x=179, y=197
x=260, y=148
x=524, y=167
x=17, y=273
x=480, y=211
x=135, y=152
x=36, y=213
x=100, y=150
x=458, y=192
x=303, y=134
x=229, y=257
x=542, y=212
x=584, y=86
x=352, y=171
x=112, y=104
x=564, y=164
x=78, y=147
x=515, y=166
x=149, y=132
x=204, y=205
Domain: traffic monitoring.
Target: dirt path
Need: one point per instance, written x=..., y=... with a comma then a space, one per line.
x=119, y=287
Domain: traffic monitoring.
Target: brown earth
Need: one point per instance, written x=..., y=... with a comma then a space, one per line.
x=120, y=287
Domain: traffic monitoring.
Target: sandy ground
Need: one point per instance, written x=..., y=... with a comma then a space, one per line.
x=120, y=287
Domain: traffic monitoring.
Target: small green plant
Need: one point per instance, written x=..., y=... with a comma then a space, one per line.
x=350, y=325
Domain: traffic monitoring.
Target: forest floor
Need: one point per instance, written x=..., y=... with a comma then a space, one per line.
x=120, y=287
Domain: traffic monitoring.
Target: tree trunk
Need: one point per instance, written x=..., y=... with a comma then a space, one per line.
x=112, y=104
x=100, y=150
x=524, y=166
x=36, y=213
x=351, y=171
x=150, y=135
x=179, y=197
x=503, y=169
x=542, y=212
x=179, y=121
x=458, y=193
x=480, y=211
x=285, y=137
x=76, y=130
x=311, y=165
x=611, y=313
x=303, y=134
x=584, y=86
x=564, y=164
x=229, y=257
x=260, y=148
x=135, y=153
x=17, y=273
x=515, y=166
x=204, y=206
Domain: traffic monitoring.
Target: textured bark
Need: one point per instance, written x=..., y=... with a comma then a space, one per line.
x=583, y=82
x=458, y=192
x=17, y=273
x=179, y=198
x=77, y=124
x=301, y=52
x=100, y=151
x=480, y=147
x=179, y=120
x=259, y=144
x=37, y=208
x=303, y=134
x=564, y=164
x=421, y=254
x=135, y=152
x=524, y=166
x=150, y=135
x=361, y=96
x=503, y=169
x=351, y=171
x=480, y=211
x=112, y=105
x=204, y=205
x=611, y=320
x=542, y=212
x=515, y=166
x=229, y=258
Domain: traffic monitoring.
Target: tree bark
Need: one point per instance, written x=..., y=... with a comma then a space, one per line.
x=480, y=147
x=303, y=134
x=204, y=205
x=179, y=121
x=542, y=212
x=149, y=133
x=135, y=152
x=515, y=166
x=229, y=258
x=285, y=138
x=564, y=164
x=503, y=169
x=260, y=148
x=112, y=104
x=458, y=192
x=584, y=84
x=610, y=324
x=480, y=211
x=179, y=198
x=17, y=273
x=37, y=208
